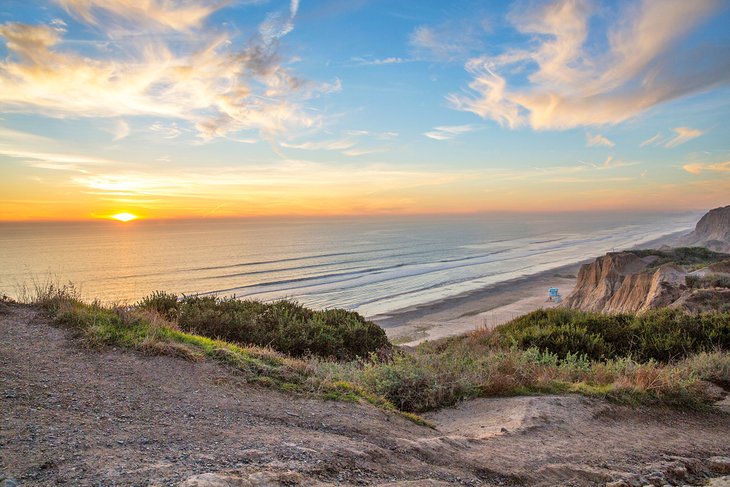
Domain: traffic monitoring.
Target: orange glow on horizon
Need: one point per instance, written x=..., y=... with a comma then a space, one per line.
x=124, y=217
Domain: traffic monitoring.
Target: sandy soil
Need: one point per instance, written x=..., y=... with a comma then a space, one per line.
x=487, y=307
x=70, y=416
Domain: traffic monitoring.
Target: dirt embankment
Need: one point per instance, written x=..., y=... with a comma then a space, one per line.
x=70, y=416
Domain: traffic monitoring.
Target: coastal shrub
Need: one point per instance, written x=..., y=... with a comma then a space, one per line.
x=164, y=303
x=689, y=257
x=661, y=335
x=433, y=375
x=709, y=281
x=285, y=326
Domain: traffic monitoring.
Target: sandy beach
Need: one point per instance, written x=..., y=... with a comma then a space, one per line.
x=487, y=307
x=490, y=306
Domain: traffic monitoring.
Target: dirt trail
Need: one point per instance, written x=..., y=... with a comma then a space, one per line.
x=80, y=417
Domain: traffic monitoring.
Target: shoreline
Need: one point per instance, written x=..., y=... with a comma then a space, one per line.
x=489, y=306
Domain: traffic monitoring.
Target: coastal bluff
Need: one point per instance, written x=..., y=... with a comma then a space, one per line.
x=694, y=277
x=638, y=281
x=712, y=231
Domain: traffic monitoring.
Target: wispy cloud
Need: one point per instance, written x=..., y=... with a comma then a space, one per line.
x=698, y=167
x=135, y=14
x=449, y=40
x=166, y=131
x=448, y=132
x=119, y=130
x=370, y=61
x=340, y=144
x=356, y=152
x=572, y=85
x=609, y=163
x=56, y=161
x=683, y=134
x=354, y=143
x=651, y=140
x=210, y=82
x=378, y=135
x=593, y=140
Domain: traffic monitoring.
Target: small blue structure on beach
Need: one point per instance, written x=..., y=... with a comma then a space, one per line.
x=554, y=295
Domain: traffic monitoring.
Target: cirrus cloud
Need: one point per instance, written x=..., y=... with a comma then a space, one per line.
x=574, y=84
x=684, y=134
x=214, y=82
x=698, y=167
x=593, y=140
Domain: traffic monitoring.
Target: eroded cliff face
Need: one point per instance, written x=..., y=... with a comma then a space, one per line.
x=648, y=290
x=623, y=282
x=600, y=280
x=712, y=231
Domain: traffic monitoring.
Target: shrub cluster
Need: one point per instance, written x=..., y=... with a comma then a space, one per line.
x=283, y=325
x=660, y=335
x=688, y=257
x=549, y=351
x=709, y=281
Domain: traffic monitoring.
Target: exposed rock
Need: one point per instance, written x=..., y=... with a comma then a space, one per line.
x=638, y=281
x=719, y=464
x=620, y=283
x=719, y=482
x=598, y=281
x=647, y=290
x=712, y=231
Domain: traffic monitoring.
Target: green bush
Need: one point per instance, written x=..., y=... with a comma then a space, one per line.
x=165, y=304
x=661, y=335
x=688, y=257
x=283, y=325
x=709, y=281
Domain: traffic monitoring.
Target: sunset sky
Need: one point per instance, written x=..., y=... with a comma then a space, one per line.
x=164, y=108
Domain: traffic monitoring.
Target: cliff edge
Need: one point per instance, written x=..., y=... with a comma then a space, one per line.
x=635, y=281
x=712, y=231
x=695, y=276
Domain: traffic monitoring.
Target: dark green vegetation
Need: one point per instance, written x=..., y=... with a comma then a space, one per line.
x=661, y=335
x=690, y=258
x=696, y=282
x=666, y=359
x=284, y=326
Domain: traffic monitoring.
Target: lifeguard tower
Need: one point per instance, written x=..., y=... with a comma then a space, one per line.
x=553, y=295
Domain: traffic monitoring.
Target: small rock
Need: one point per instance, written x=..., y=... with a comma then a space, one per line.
x=719, y=464
x=719, y=482
x=7, y=482
x=678, y=472
x=504, y=430
x=10, y=394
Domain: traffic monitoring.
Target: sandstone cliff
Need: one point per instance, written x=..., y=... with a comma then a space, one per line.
x=712, y=231
x=637, y=281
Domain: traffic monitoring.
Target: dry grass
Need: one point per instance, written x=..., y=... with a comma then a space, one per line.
x=435, y=375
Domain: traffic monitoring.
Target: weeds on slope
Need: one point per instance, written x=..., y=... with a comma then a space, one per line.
x=434, y=375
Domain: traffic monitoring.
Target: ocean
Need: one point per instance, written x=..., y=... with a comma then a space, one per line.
x=372, y=265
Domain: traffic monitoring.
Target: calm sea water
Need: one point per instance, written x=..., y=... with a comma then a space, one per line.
x=372, y=265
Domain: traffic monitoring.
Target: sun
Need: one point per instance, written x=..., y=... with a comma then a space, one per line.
x=124, y=217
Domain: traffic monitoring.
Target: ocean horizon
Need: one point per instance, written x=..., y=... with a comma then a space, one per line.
x=373, y=265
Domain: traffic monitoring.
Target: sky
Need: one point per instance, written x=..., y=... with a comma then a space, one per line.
x=191, y=109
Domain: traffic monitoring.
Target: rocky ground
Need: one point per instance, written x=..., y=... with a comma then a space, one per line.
x=70, y=416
